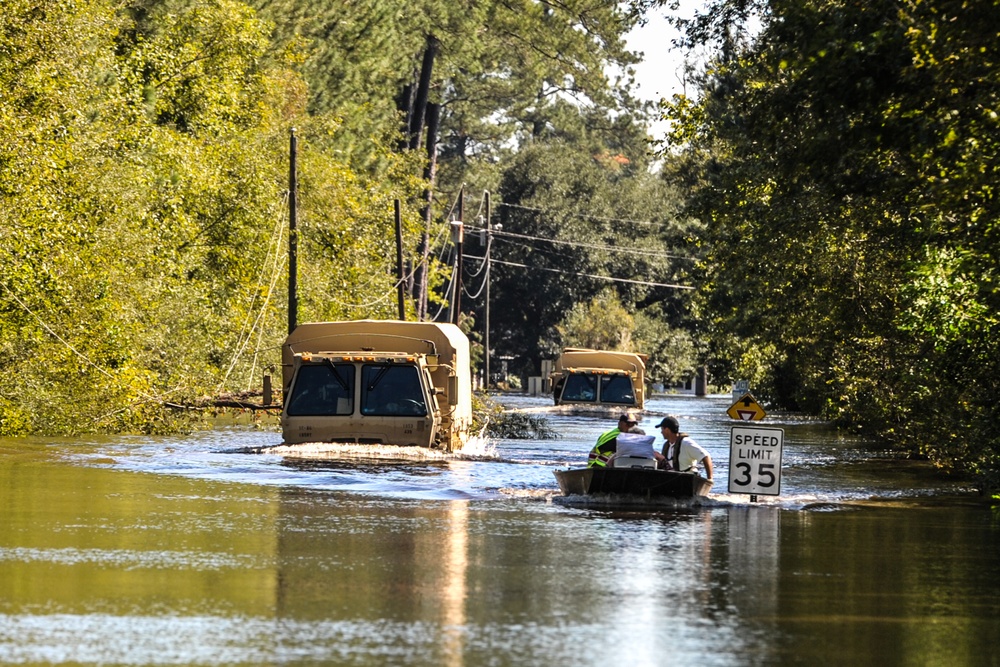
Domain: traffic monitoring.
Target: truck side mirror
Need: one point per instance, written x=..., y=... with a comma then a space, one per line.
x=453, y=390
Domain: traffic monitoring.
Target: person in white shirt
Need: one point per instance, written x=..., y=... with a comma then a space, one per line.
x=681, y=452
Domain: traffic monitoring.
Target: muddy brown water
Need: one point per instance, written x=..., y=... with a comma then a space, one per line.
x=194, y=550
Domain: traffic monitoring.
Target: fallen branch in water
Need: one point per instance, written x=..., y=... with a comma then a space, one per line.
x=240, y=401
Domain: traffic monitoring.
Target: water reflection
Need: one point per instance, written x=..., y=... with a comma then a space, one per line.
x=752, y=541
x=139, y=551
x=454, y=587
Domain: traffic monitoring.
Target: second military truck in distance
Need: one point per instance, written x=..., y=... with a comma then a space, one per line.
x=599, y=378
x=377, y=382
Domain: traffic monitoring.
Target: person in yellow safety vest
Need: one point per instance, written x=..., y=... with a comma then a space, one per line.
x=607, y=443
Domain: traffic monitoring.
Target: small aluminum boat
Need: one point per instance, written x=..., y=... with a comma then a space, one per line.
x=643, y=482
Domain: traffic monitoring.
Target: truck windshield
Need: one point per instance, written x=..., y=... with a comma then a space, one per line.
x=617, y=389
x=326, y=389
x=580, y=387
x=391, y=389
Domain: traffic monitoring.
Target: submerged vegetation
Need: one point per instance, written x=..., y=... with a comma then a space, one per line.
x=519, y=425
x=493, y=421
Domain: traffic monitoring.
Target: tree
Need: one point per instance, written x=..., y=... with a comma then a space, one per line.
x=574, y=221
x=143, y=176
x=600, y=324
x=842, y=159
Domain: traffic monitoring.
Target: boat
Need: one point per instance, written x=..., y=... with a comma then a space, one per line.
x=643, y=482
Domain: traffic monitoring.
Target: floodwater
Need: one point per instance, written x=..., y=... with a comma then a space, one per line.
x=196, y=550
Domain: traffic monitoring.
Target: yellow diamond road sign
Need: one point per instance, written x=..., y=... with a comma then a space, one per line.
x=746, y=409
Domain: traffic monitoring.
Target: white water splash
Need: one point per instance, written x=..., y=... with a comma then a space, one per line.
x=344, y=450
x=478, y=447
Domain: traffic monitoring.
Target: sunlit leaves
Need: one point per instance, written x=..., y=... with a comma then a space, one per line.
x=601, y=324
x=143, y=188
x=199, y=70
x=847, y=160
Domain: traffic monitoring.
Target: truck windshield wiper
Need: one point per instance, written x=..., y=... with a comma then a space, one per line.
x=378, y=377
x=337, y=376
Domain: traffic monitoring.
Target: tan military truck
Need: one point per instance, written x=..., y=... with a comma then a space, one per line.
x=599, y=378
x=377, y=382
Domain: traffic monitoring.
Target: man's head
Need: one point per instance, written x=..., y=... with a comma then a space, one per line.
x=626, y=421
x=669, y=423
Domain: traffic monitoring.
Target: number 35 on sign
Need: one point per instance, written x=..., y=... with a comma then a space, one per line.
x=755, y=460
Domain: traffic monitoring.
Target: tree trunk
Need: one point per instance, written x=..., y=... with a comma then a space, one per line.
x=423, y=92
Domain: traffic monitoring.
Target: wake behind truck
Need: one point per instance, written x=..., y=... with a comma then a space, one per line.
x=599, y=378
x=377, y=382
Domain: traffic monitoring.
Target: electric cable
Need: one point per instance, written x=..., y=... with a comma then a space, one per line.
x=595, y=246
x=582, y=215
x=590, y=275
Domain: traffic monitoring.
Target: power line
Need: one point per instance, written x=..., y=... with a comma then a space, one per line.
x=482, y=286
x=586, y=275
x=584, y=215
x=482, y=265
x=595, y=246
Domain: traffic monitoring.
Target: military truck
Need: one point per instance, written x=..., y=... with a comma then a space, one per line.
x=377, y=382
x=599, y=378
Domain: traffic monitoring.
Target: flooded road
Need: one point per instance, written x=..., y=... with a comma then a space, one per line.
x=195, y=551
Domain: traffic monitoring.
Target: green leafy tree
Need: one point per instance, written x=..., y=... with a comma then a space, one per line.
x=600, y=324
x=143, y=185
x=843, y=160
x=574, y=221
x=497, y=70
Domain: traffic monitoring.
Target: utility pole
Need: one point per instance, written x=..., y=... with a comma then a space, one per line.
x=399, y=261
x=486, y=325
x=293, y=238
x=457, y=233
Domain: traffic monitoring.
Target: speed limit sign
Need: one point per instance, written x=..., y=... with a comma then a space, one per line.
x=755, y=460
